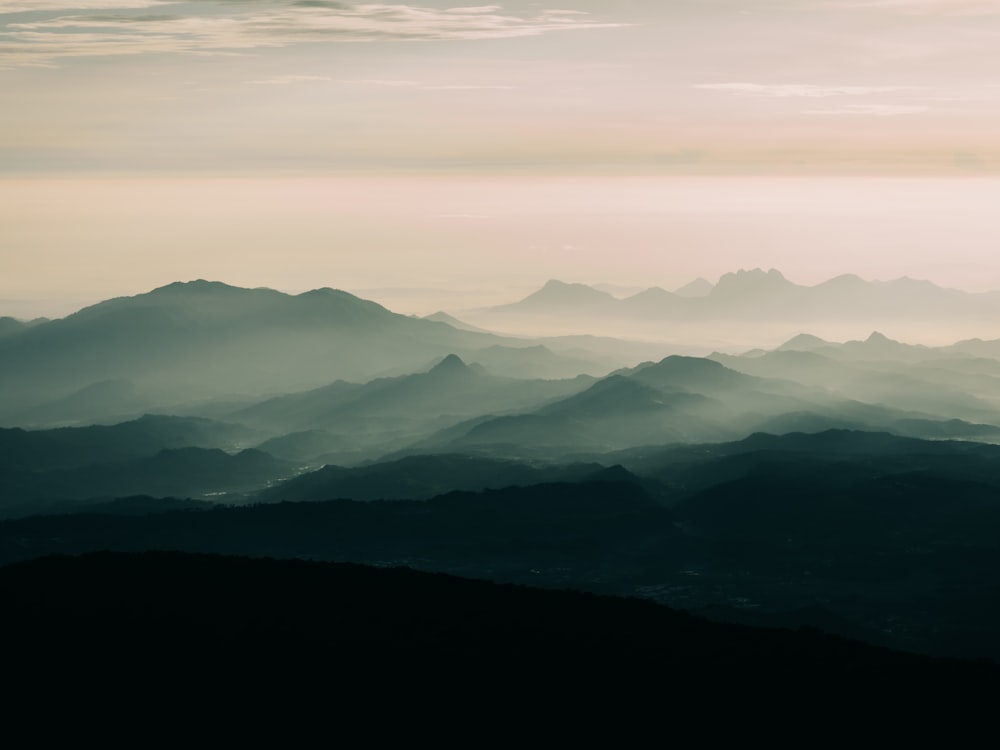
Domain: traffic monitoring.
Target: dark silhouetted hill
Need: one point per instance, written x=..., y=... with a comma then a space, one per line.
x=68, y=447
x=201, y=473
x=894, y=535
x=424, y=476
x=154, y=621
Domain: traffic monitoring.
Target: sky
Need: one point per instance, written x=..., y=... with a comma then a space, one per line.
x=435, y=154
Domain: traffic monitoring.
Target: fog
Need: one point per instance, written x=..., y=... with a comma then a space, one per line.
x=422, y=244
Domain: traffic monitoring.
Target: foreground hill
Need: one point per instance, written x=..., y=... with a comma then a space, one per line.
x=423, y=477
x=70, y=447
x=893, y=540
x=155, y=620
x=187, y=457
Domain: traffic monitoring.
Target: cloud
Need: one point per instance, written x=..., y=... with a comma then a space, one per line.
x=871, y=110
x=805, y=90
x=223, y=28
x=388, y=82
x=466, y=87
x=30, y=6
x=477, y=9
x=421, y=86
x=286, y=79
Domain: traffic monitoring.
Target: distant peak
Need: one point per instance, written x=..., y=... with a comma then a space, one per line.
x=560, y=293
x=848, y=277
x=326, y=292
x=554, y=285
x=199, y=286
x=804, y=341
x=451, y=363
x=755, y=277
x=681, y=363
x=700, y=287
x=653, y=293
x=878, y=338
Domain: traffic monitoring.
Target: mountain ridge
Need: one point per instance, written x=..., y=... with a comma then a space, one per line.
x=203, y=339
x=752, y=295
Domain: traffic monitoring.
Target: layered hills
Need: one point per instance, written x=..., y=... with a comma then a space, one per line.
x=871, y=535
x=763, y=295
x=844, y=484
x=193, y=341
x=748, y=305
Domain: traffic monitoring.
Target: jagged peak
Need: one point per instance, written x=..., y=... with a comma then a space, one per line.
x=752, y=277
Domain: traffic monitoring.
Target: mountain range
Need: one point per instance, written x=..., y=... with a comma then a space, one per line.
x=746, y=305
x=809, y=480
x=764, y=294
x=197, y=341
x=691, y=399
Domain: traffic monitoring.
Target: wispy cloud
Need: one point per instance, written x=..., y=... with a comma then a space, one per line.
x=805, y=90
x=467, y=87
x=282, y=80
x=422, y=86
x=233, y=27
x=387, y=82
x=29, y=6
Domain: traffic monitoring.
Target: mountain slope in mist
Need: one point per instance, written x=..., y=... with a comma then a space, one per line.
x=450, y=389
x=748, y=306
x=945, y=383
x=691, y=399
x=198, y=340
